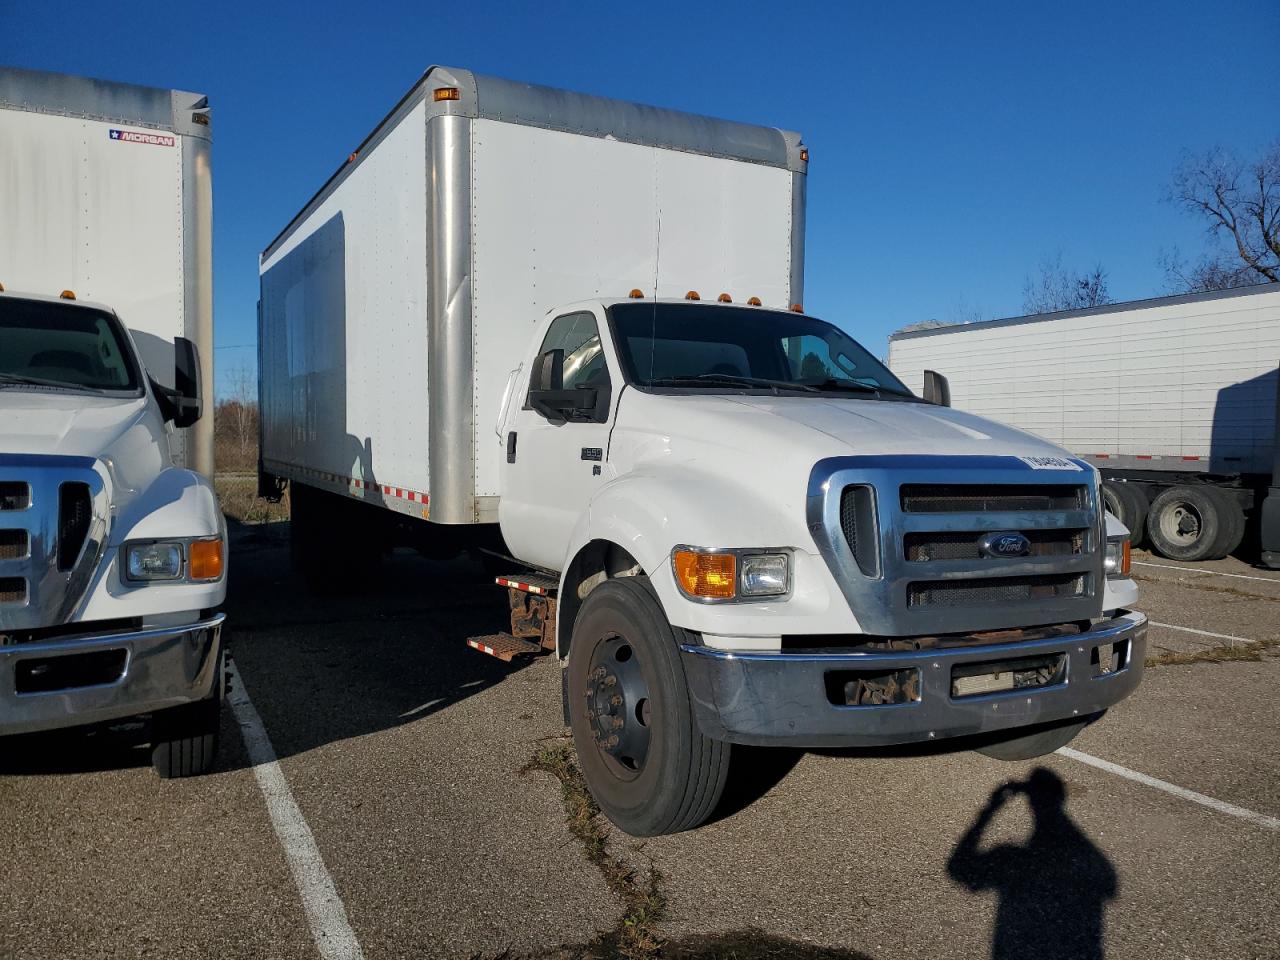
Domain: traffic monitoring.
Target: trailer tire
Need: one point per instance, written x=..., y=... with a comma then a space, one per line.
x=1129, y=505
x=1233, y=524
x=624, y=649
x=1192, y=523
x=184, y=740
x=1033, y=742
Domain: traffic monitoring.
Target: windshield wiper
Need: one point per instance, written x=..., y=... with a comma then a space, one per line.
x=22, y=379
x=734, y=380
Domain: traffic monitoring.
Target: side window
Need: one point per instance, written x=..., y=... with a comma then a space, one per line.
x=579, y=337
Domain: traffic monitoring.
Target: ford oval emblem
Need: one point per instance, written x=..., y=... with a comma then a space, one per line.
x=1004, y=545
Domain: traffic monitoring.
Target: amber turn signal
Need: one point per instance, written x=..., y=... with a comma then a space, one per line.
x=710, y=575
x=1125, y=558
x=204, y=561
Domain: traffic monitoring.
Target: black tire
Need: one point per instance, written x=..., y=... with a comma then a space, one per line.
x=677, y=782
x=1191, y=523
x=184, y=740
x=1233, y=524
x=1032, y=742
x=1129, y=505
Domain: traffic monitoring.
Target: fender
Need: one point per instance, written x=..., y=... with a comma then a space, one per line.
x=177, y=504
x=653, y=509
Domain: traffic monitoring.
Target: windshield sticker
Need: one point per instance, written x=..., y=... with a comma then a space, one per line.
x=129, y=136
x=1050, y=463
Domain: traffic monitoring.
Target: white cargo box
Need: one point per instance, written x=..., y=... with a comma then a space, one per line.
x=105, y=190
x=397, y=302
x=1185, y=384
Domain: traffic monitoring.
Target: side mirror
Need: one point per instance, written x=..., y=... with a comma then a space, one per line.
x=936, y=388
x=548, y=396
x=182, y=404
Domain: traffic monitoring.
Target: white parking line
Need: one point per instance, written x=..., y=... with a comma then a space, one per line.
x=325, y=912
x=1215, y=573
x=1202, y=633
x=1230, y=809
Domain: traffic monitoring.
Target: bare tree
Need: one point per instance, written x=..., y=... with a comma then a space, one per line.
x=236, y=417
x=1054, y=288
x=1239, y=204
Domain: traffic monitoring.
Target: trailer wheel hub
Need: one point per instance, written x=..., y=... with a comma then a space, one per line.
x=618, y=707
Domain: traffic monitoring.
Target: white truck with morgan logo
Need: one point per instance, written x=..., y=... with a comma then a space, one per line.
x=112, y=545
x=577, y=322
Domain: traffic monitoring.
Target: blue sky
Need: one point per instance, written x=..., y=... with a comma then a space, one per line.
x=954, y=146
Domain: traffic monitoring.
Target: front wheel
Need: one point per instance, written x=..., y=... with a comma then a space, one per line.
x=644, y=759
x=184, y=740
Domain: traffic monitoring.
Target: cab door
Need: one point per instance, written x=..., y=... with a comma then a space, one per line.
x=555, y=460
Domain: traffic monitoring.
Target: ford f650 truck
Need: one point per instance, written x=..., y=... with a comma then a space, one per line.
x=578, y=322
x=112, y=552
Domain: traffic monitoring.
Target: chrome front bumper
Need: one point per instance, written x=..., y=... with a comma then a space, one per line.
x=90, y=679
x=777, y=699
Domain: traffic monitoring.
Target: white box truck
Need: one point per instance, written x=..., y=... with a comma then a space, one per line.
x=1173, y=399
x=578, y=322
x=112, y=550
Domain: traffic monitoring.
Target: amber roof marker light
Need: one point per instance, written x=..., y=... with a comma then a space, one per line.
x=636, y=294
x=724, y=298
x=67, y=295
x=446, y=93
x=753, y=301
x=796, y=308
x=692, y=295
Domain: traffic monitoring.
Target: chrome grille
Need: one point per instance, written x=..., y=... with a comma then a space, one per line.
x=53, y=514
x=13, y=544
x=968, y=593
x=972, y=498
x=920, y=547
x=913, y=563
x=14, y=495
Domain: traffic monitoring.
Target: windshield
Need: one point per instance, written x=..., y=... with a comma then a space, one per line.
x=57, y=345
x=715, y=348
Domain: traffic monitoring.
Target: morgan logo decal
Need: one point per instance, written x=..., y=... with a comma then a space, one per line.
x=129, y=136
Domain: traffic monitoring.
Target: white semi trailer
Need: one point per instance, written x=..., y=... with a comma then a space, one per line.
x=577, y=322
x=112, y=549
x=1174, y=400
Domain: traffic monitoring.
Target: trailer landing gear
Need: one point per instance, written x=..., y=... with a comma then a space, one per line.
x=533, y=618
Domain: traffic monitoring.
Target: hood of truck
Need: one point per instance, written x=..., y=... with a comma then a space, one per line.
x=811, y=428
x=125, y=434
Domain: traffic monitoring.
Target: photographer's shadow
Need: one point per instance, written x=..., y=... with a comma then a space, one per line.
x=1053, y=889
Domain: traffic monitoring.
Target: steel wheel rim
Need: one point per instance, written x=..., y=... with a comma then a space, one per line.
x=1181, y=523
x=619, y=710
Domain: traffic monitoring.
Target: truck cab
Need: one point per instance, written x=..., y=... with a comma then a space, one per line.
x=112, y=559
x=762, y=536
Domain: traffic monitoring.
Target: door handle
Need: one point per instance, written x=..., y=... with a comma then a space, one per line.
x=511, y=447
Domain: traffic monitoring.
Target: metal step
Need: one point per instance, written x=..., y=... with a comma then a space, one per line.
x=541, y=584
x=504, y=646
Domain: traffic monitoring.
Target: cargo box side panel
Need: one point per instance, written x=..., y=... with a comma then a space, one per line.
x=344, y=333
x=1178, y=386
x=560, y=217
x=96, y=207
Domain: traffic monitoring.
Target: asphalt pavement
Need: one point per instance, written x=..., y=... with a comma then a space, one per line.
x=396, y=810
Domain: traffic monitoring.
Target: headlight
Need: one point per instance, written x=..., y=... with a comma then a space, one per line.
x=766, y=575
x=710, y=575
x=153, y=561
x=1116, y=562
